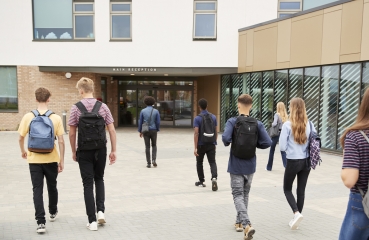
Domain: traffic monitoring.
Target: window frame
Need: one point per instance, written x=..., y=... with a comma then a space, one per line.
x=285, y=13
x=84, y=13
x=120, y=13
x=202, y=12
x=17, y=82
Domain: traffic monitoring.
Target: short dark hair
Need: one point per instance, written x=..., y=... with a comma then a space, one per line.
x=203, y=103
x=245, y=99
x=149, y=101
x=42, y=94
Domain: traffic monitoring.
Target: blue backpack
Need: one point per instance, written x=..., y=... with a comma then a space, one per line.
x=41, y=133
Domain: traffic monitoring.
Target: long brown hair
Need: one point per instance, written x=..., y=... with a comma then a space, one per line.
x=298, y=120
x=281, y=110
x=362, y=120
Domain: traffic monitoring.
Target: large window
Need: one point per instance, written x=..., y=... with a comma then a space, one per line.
x=255, y=92
x=295, y=84
x=205, y=20
x=311, y=93
x=8, y=89
x=308, y=4
x=121, y=20
x=63, y=19
x=365, y=83
x=267, y=99
x=280, y=87
x=294, y=6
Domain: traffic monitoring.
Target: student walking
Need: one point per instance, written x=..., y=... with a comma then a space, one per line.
x=294, y=140
x=279, y=118
x=148, y=127
x=205, y=141
x=91, y=117
x=242, y=159
x=355, y=173
x=43, y=126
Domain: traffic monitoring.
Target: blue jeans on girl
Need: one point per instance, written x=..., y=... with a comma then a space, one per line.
x=271, y=154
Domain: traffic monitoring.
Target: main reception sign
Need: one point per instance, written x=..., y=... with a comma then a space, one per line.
x=135, y=69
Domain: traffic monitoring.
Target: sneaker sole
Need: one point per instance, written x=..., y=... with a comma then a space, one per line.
x=239, y=229
x=91, y=229
x=52, y=219
x=101, y=221
x=214, y=186
x=297, y=223
x=250, y=235
x=41, y=231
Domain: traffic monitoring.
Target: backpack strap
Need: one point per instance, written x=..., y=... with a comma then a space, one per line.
x=97, y=107
x=81, y=107
x=35, y=112
x=367, y=139
x=150, y=115
x=48, y=113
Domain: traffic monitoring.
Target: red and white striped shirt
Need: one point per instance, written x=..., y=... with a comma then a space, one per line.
x=89, y=104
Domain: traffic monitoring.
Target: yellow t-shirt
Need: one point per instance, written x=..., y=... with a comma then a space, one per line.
x=58, y=130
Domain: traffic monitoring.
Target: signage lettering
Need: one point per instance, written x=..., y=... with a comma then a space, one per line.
x=134, y=69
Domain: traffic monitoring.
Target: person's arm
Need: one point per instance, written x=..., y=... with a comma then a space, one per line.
x=140, y=121
x=351, y=162
x=21, y=145
x=264, y=140
x=349, y=177
x=275, y=121
x=196, y=140
x=61, y=152
x=72, y=140
x=158, y=121
x=283, y=138
x=216, y=132
x=227, y=134
x=113, y=140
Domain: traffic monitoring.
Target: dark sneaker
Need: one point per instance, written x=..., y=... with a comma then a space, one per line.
x=148, y=165
x=41, y=228
x=214, y=185
x=53, y=217
x=249, y=232
x=200, y=184
x=154, y=163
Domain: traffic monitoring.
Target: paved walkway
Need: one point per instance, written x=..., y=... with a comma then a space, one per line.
x=163, y=203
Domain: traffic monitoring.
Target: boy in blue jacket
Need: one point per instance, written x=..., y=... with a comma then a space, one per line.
x=242, y=170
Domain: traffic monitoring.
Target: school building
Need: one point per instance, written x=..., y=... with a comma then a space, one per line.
x=320, y=54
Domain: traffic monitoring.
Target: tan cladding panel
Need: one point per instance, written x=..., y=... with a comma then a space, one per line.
x=242, y=50
x=306, y=40
x=250, y=48
x=331, y=37
x=265, y=49
x=284, y=41
x=365, y=37
x=352, y=22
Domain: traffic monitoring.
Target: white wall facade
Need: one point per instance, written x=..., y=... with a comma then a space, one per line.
x=161, y=36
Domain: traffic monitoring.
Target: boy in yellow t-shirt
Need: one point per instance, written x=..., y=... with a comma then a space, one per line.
x=42, y=165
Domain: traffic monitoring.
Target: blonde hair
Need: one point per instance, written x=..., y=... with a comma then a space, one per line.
x=281, y=111
x=86, y=84
x=298, y=120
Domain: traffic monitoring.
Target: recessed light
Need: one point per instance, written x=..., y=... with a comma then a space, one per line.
x=166, y=74
x=132, y=74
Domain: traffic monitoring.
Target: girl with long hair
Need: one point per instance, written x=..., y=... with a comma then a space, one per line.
x=355, y=173
x=280, y=117
x=294, y=139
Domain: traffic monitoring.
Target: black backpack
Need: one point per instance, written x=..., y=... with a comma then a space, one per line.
x=207, y=130
x=245, y=137
x=91, y=128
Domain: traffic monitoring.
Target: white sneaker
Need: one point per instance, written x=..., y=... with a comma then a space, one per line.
x=92, y=226
x=295, y=222
x=101, y=217
x=41, y=228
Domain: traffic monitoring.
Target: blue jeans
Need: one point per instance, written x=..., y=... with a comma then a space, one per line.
x=355, y=224
x=271, y=154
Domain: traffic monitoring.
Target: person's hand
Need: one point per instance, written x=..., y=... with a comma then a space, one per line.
x=24, y=155
x=141, y=135
x=61, y=166
x=195, y=153
x=74, y=156
x=112, y=158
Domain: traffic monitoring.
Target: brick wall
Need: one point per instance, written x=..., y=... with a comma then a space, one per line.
x=64, y=93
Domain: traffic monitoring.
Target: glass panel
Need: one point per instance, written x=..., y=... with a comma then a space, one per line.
x=267, y=99
x=165, y=106
x=83, y=7
x=255, y=94
x=127, y=82
x=290, y=5
x=285, y=14
x=9, y=89
x=184, y=83
x=312, y=94
x=53, y=19
x=236, y=90
x=121, y=26
x=84, y=26
x=183, y=108
x=156, y=82
x=246, y=83
x=295, y=84
x=121, y=7
x=128, y=107
x=349, y=97
x=328, y=106
x=103, y=90
x=365, y=83
x=204, y=25
x=205, y=6
x=224, y=100
x=308, y=4
x=280, y=87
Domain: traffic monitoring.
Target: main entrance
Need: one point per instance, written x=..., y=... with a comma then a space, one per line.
x=174, y=100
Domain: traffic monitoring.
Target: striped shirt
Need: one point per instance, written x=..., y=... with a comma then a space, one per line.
x=356, y=155
x=89, y=104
